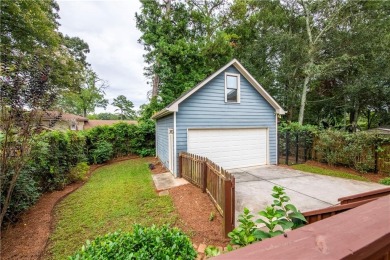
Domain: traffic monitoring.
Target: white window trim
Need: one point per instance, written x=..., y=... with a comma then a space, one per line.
x=238, y=87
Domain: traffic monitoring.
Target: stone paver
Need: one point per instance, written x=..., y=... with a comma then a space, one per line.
x=165, y=181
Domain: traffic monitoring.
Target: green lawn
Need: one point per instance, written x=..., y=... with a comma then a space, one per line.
x=322, y=171
x=115, y=197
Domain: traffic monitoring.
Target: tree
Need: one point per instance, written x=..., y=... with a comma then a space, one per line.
x=85, y=98
x=35, y=66
x=125, y=107
x=184, y=44
x=104, y=116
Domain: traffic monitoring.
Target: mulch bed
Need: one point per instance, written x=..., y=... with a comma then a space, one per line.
x=194, y=209
x=374, y=177
x=28, y=237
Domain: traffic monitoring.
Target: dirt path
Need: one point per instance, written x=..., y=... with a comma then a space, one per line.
x=27, y=238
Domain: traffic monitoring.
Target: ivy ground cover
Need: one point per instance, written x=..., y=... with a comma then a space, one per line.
x=115, y=197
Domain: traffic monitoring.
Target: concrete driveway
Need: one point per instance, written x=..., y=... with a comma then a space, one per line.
x=307, y=191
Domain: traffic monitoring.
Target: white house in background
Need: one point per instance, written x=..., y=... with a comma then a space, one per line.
x=56, y=120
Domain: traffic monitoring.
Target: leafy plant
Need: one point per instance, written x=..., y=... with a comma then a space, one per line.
x=78, y=172
x=280, y=216
x=385, y=181
x=212, y=251
x=143, y=243
x=277, y=218
x=212, y=216
x=102, y=153
x=25, y=194
x=244, y=234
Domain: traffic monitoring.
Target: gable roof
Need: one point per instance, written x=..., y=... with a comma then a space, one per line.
x=57, y=115
x=174, y=106
x=94, y=123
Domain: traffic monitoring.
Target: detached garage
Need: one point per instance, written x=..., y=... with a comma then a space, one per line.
x=228, y=118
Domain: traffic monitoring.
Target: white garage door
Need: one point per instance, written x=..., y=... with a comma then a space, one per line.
x=230, y=148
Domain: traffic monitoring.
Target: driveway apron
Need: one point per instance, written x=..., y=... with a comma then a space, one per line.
x=307, y=191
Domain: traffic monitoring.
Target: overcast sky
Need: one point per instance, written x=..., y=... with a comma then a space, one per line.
x=108, y=26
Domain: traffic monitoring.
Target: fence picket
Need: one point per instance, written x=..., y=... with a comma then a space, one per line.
x=215, y=181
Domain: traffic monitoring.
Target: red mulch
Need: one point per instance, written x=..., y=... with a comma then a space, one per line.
x=374, y=177
x=194, y=209
x=28, y=237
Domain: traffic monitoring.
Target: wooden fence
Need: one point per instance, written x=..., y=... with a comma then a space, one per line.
x=215, y=181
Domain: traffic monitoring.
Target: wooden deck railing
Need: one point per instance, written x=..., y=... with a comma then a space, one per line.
x=215, y=181
x=360, y=233
x=347, y=203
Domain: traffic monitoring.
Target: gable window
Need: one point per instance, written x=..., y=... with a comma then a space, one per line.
x=232, y=88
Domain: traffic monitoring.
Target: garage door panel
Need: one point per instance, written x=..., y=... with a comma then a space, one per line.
x=230, y=148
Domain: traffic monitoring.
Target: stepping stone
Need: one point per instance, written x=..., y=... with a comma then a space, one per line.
x=163, y=193
x=201, y=248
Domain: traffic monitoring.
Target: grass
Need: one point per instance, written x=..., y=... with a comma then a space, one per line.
x=115, y=197
x=327, y=172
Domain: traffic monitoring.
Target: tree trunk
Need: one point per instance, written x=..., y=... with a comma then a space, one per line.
x=303, y=99
x=309, y=66
x=84, y=112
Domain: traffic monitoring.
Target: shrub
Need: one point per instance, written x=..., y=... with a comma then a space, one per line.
x=25, y=194
x=102, y=153
x=277, y=218
x=78, y=172
x=53, y=154
x=124, y=138
x=143, y=243
x=143, y=139
x=356, y=150
x=385, y=181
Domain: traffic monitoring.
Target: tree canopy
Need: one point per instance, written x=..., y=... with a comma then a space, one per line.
x=323, y=61
x=37, y=63
x=124, y=106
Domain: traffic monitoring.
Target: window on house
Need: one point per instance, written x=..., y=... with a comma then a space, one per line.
x=232, y=91
x=73, y=125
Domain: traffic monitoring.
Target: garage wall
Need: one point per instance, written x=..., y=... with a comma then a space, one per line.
x=206, y=108
x=162, y=126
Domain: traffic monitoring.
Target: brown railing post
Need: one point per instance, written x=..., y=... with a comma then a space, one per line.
x=204, y=176
x=228, y=217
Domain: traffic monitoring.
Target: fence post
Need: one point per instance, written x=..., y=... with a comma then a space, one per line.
x=228, y=224
x=376, y=157
x=180, y=165
x=287, y=145
x=204, y=172
x=296, y=147
x=305, y=145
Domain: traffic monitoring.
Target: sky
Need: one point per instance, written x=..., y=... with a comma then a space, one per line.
x=108, y=26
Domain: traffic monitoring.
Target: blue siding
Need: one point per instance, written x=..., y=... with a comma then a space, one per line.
x=206, y=108
x=162, y=126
